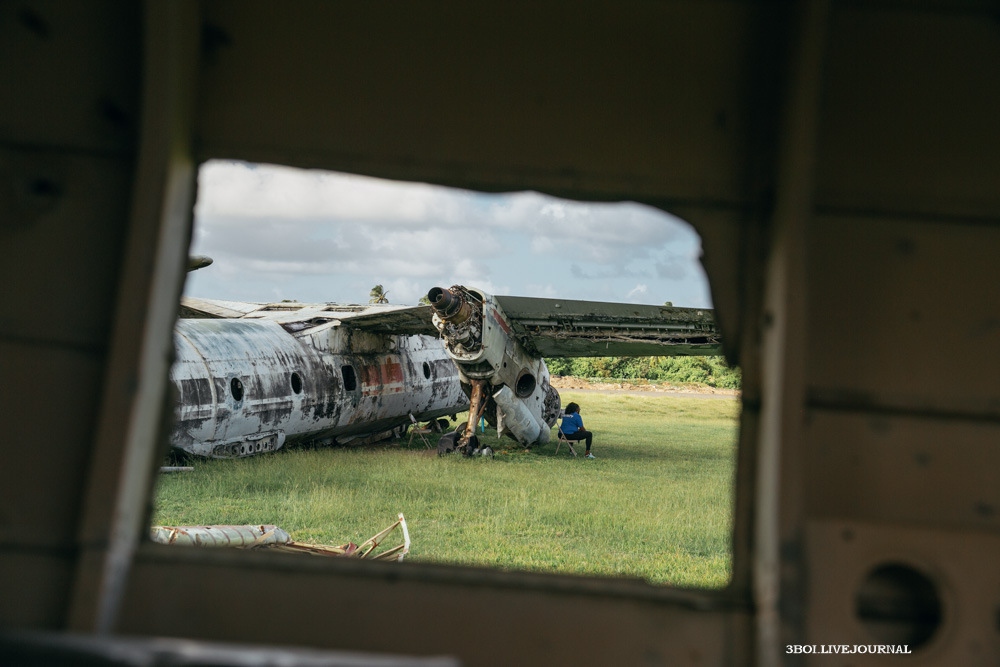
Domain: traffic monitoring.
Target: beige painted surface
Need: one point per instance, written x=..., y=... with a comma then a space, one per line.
x=903, y=469
x=903, y=315
x=481, y=616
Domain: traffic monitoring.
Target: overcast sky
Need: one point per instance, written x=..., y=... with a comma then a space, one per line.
x=279, y=233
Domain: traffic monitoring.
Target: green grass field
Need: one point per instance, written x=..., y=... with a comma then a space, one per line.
x=656, y=504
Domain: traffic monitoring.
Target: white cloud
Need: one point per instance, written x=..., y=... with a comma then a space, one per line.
x=320, y=236
x=638, y=290
x=543, y=245
x=547, y=291
x=260, y=191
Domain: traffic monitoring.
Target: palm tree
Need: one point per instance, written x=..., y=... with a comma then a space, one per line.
x=378, y=295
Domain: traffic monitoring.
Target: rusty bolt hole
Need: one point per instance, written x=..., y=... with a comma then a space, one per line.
x=33, y=22
x=45, y=188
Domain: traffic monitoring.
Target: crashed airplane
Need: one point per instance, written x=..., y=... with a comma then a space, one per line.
x=252, y=377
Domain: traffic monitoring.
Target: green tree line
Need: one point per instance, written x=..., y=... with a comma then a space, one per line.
x=710, y=371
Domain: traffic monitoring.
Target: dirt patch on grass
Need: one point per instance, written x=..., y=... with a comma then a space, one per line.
x=568, y=382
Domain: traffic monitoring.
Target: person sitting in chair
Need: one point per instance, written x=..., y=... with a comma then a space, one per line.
x=572, y=427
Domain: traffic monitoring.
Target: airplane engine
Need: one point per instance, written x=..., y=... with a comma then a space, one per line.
x=505, y=382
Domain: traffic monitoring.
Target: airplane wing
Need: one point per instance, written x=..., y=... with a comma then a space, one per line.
x=546, y=327
x=568, y=328
x=192, y=307
x=396, y=320
x=374, y=318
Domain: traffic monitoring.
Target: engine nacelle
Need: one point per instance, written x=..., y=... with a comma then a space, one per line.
x=480, y=340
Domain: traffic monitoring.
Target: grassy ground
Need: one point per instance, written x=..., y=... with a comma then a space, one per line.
x=656, y=504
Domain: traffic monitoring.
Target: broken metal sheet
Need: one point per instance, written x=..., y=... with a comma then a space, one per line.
x=214, y=308
x=406, y=320
x=374, y=318
x=565, y=327
x=274, y=538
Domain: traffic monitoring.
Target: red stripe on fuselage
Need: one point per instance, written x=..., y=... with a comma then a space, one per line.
x=386, y=378
x=500, y=321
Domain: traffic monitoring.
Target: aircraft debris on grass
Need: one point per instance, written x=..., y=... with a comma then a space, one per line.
x=275, y=539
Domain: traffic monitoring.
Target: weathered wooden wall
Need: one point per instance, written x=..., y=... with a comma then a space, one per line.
x=840, y=160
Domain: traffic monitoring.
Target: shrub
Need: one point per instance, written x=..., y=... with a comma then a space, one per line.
x=709, y=371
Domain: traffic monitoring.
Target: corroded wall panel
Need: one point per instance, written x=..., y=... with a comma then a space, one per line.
x=909, y=110
x=62, y=226
x=904, y=315
x=77, y=74
x=507, y=95
x=914, y=469
x=35, y=587
x=530, y=619
x=68, y=129
x=49, y=401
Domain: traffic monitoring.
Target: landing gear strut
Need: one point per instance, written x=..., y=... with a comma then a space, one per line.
x=468, y=442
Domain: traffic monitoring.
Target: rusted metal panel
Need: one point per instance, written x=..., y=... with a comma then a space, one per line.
x=923, y=305
x=384, y=378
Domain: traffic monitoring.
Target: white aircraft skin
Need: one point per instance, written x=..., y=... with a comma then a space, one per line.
x=248, y=386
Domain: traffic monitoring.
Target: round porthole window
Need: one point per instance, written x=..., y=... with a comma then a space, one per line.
x=898, y=604
x=236, y=389
x=427, y=370
x=296, y=383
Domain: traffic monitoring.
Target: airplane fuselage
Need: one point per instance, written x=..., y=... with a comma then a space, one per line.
x=247, y=386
